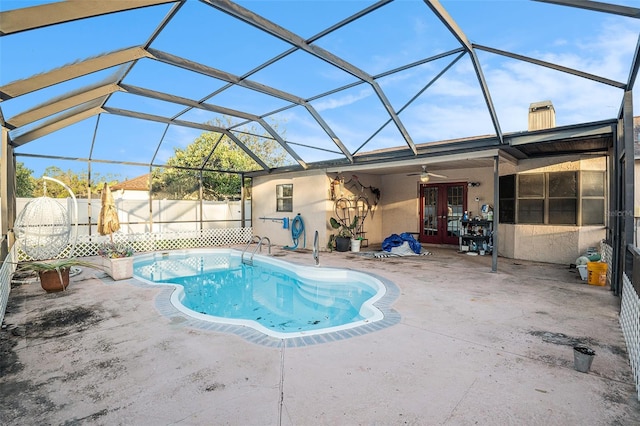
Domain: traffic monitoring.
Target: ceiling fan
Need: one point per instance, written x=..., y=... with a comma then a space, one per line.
x=425, y=175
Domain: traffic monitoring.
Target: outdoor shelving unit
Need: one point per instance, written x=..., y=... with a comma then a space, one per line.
x=478, y=232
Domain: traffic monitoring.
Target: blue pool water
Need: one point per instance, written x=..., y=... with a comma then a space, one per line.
x=275, y=297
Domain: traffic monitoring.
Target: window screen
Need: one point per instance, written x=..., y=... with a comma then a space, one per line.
x=507, y=207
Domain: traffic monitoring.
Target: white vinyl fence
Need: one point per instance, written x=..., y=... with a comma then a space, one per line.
x=138, y=216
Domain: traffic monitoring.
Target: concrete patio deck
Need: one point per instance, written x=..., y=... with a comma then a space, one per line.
x=470, y=347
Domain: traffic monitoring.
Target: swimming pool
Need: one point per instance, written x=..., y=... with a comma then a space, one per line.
x=272, y=296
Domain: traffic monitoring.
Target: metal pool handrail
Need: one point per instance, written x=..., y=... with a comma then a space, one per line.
x=258, y=247
x=316, y=249
x=247, y=247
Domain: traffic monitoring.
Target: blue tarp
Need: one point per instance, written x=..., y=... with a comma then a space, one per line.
x=395, y=240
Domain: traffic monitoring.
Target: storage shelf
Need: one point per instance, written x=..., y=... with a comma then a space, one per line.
x=479, y=229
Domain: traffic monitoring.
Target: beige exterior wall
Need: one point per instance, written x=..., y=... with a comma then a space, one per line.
x=398, y=208
x=359, y=186
x=311, y=198
x=401, y=209
x=549, y=243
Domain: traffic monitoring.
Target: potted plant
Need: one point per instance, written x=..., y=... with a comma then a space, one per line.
x=54, y=274
x=117, y=259
x=346, y=233
x=356, y=243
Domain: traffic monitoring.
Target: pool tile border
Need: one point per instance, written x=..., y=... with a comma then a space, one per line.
x=390, y=317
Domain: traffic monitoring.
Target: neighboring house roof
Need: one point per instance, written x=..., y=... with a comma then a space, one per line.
x=140, y=183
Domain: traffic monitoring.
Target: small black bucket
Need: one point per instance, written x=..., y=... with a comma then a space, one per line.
x=582, y=358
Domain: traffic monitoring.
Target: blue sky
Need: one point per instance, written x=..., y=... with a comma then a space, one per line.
x=397, y=34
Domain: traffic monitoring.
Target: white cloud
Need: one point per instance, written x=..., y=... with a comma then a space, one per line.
x=337, y=101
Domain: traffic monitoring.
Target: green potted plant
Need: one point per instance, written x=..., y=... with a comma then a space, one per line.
x=356, y=243
x=346, y=233
x=117, y=259
x=54, y=274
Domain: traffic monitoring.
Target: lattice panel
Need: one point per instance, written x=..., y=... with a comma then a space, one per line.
x=87, y=246
x=6, y=271
x=630, y=324
x=606, y=255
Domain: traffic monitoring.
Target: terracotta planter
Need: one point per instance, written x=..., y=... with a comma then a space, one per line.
x=120, y=268
x=50, y=280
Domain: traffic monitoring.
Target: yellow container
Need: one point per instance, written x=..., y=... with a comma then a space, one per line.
x=597, y=273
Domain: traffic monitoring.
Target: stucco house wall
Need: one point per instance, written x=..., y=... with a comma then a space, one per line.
x=312, y=199
x=401, y=206
x=398, y=208
x=360, y=185
x=547, y=243
x=550, y=243
x=309, y=200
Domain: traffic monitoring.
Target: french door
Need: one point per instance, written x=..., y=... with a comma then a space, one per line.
x=441, y=208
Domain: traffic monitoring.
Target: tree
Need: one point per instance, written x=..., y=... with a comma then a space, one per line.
x=181, y=179
x=25, y=182
x=78, y=182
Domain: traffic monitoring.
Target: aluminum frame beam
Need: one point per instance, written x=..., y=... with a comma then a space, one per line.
x=29, y=18
x=455, y=30
x=206, y=127
x=70, y=117
x=275, y=30
x=615, y=9
x=69, y=72
x=213, y=108
x=63, y=104
x=552, y=66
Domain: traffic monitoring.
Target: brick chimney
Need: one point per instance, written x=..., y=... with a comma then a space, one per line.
x=541, y=115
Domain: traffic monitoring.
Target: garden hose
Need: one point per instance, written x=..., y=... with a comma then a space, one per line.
x=297, y=229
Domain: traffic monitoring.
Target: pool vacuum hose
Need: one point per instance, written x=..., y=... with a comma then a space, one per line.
x=297, y=229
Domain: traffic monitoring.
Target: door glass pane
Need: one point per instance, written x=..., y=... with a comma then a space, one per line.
x=430, y=211
x=455, y=199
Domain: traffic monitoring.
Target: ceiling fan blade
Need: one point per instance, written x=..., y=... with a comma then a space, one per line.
x=436, y=175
